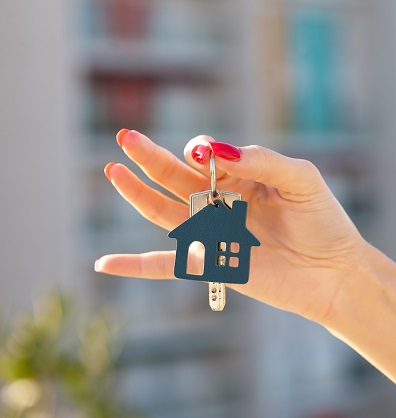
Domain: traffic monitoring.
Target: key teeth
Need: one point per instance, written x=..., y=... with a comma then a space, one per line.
x=217, y=296
x=218, y=309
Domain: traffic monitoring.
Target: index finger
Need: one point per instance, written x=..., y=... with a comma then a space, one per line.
x=161, y=165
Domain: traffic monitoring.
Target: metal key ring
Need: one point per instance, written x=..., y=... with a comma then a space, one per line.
x=213, y=180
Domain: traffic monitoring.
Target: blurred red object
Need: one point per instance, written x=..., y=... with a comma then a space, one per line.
x=127, y=18
x=122, y=101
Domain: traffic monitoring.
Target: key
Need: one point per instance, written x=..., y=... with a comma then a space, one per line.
x=217, y=291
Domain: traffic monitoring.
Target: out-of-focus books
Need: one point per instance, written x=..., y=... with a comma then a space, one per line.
x=120, y=101
x=316, y=72
x=117, y=19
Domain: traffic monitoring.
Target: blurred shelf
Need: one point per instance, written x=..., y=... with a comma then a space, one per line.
x=176, y=341
x=154, y=58
x=344, y=5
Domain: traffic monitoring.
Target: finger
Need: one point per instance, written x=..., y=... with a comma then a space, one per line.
x=152, y=265
x=161, y=165
x=289, y=175
x=296, y=176
x=152, y=204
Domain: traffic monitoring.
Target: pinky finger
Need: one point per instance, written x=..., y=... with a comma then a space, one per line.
x=152, y=265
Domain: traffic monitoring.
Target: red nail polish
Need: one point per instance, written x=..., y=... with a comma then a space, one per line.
x=221, y=149
x=107, y=170
x=121, y=136
x=199, y=153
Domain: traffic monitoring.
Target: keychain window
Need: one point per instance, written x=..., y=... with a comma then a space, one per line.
x=221, y=260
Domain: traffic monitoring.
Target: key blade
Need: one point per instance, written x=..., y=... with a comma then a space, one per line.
x=217, y=296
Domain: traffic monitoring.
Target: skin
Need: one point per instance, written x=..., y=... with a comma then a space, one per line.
x=312, y=260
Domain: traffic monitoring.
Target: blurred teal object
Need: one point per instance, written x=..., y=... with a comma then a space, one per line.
x=313, y=50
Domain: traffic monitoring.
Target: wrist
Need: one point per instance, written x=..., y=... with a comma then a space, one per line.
x=368, y=285
x=364, y=314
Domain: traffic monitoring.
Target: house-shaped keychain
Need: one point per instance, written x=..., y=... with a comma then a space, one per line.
x=226, y=240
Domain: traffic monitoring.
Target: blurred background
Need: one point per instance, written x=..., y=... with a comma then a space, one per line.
x=312, y=79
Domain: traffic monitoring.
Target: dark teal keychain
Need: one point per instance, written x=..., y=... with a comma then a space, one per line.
x=218, y=222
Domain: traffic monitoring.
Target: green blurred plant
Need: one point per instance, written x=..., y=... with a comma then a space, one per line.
x=52, y=364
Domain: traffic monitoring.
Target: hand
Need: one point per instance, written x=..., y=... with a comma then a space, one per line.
x=308, y=243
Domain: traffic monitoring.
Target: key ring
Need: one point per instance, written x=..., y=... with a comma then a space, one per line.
x=213, y=180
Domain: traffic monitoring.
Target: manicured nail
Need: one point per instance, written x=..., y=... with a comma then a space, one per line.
x=200, y=152
x=107, y=170
x=121, y=136
x=220, y=149
x=96, y=265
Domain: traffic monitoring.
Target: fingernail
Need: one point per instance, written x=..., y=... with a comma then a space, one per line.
x=107, y=170
x=121, y=136
x=221, y=149
x=199, y=153
x=97, y=266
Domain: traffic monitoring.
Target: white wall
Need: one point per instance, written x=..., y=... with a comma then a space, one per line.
x=34, y=154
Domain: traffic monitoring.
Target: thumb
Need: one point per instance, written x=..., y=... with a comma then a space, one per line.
x=291, y=175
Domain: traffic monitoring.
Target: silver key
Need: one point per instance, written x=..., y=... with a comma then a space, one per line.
x=217, y=291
